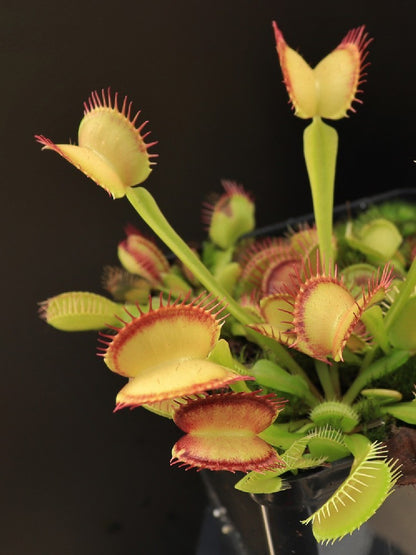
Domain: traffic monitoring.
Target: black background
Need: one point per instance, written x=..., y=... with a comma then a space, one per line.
x=77, y=479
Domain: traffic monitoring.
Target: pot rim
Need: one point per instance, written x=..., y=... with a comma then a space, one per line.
x=358, y=205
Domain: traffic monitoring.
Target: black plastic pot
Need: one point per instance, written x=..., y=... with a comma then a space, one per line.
x=270, y=523
x=237, y=523
x=282, y=514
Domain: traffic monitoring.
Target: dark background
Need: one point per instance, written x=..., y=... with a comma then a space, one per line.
x=77, y=479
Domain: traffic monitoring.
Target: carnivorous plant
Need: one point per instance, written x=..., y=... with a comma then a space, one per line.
x=272, y=354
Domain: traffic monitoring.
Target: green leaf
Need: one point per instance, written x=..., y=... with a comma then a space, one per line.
x=370, y=481
x=402, y=411
x=221, y=354
x=405, y=292
x=379, y=239
x=294, y=457
x=358, y=446
x=373, y=320
x=81, y=311
x=295, y=451
x=267, y=482
x=328, y=443
x=280, y=436
x=382, y=396
x=335, y=414
x=269, y=374
x=402, y=332
x=320, y=145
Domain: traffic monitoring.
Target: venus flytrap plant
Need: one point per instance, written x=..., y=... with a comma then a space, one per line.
x=222, y=432
x=114, y=164
x=172, y=341
x=80, y=311
x=326, y=91
x=230, y=217
x=322, y=319
x=140, y=256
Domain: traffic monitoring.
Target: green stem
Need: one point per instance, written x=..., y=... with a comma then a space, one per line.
x=368, y=359
x=320, y=146
x=147, y=208
x=334, y=373
x=373, y=320
x=405, y=292
x=322, y=369
x=376, y=370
